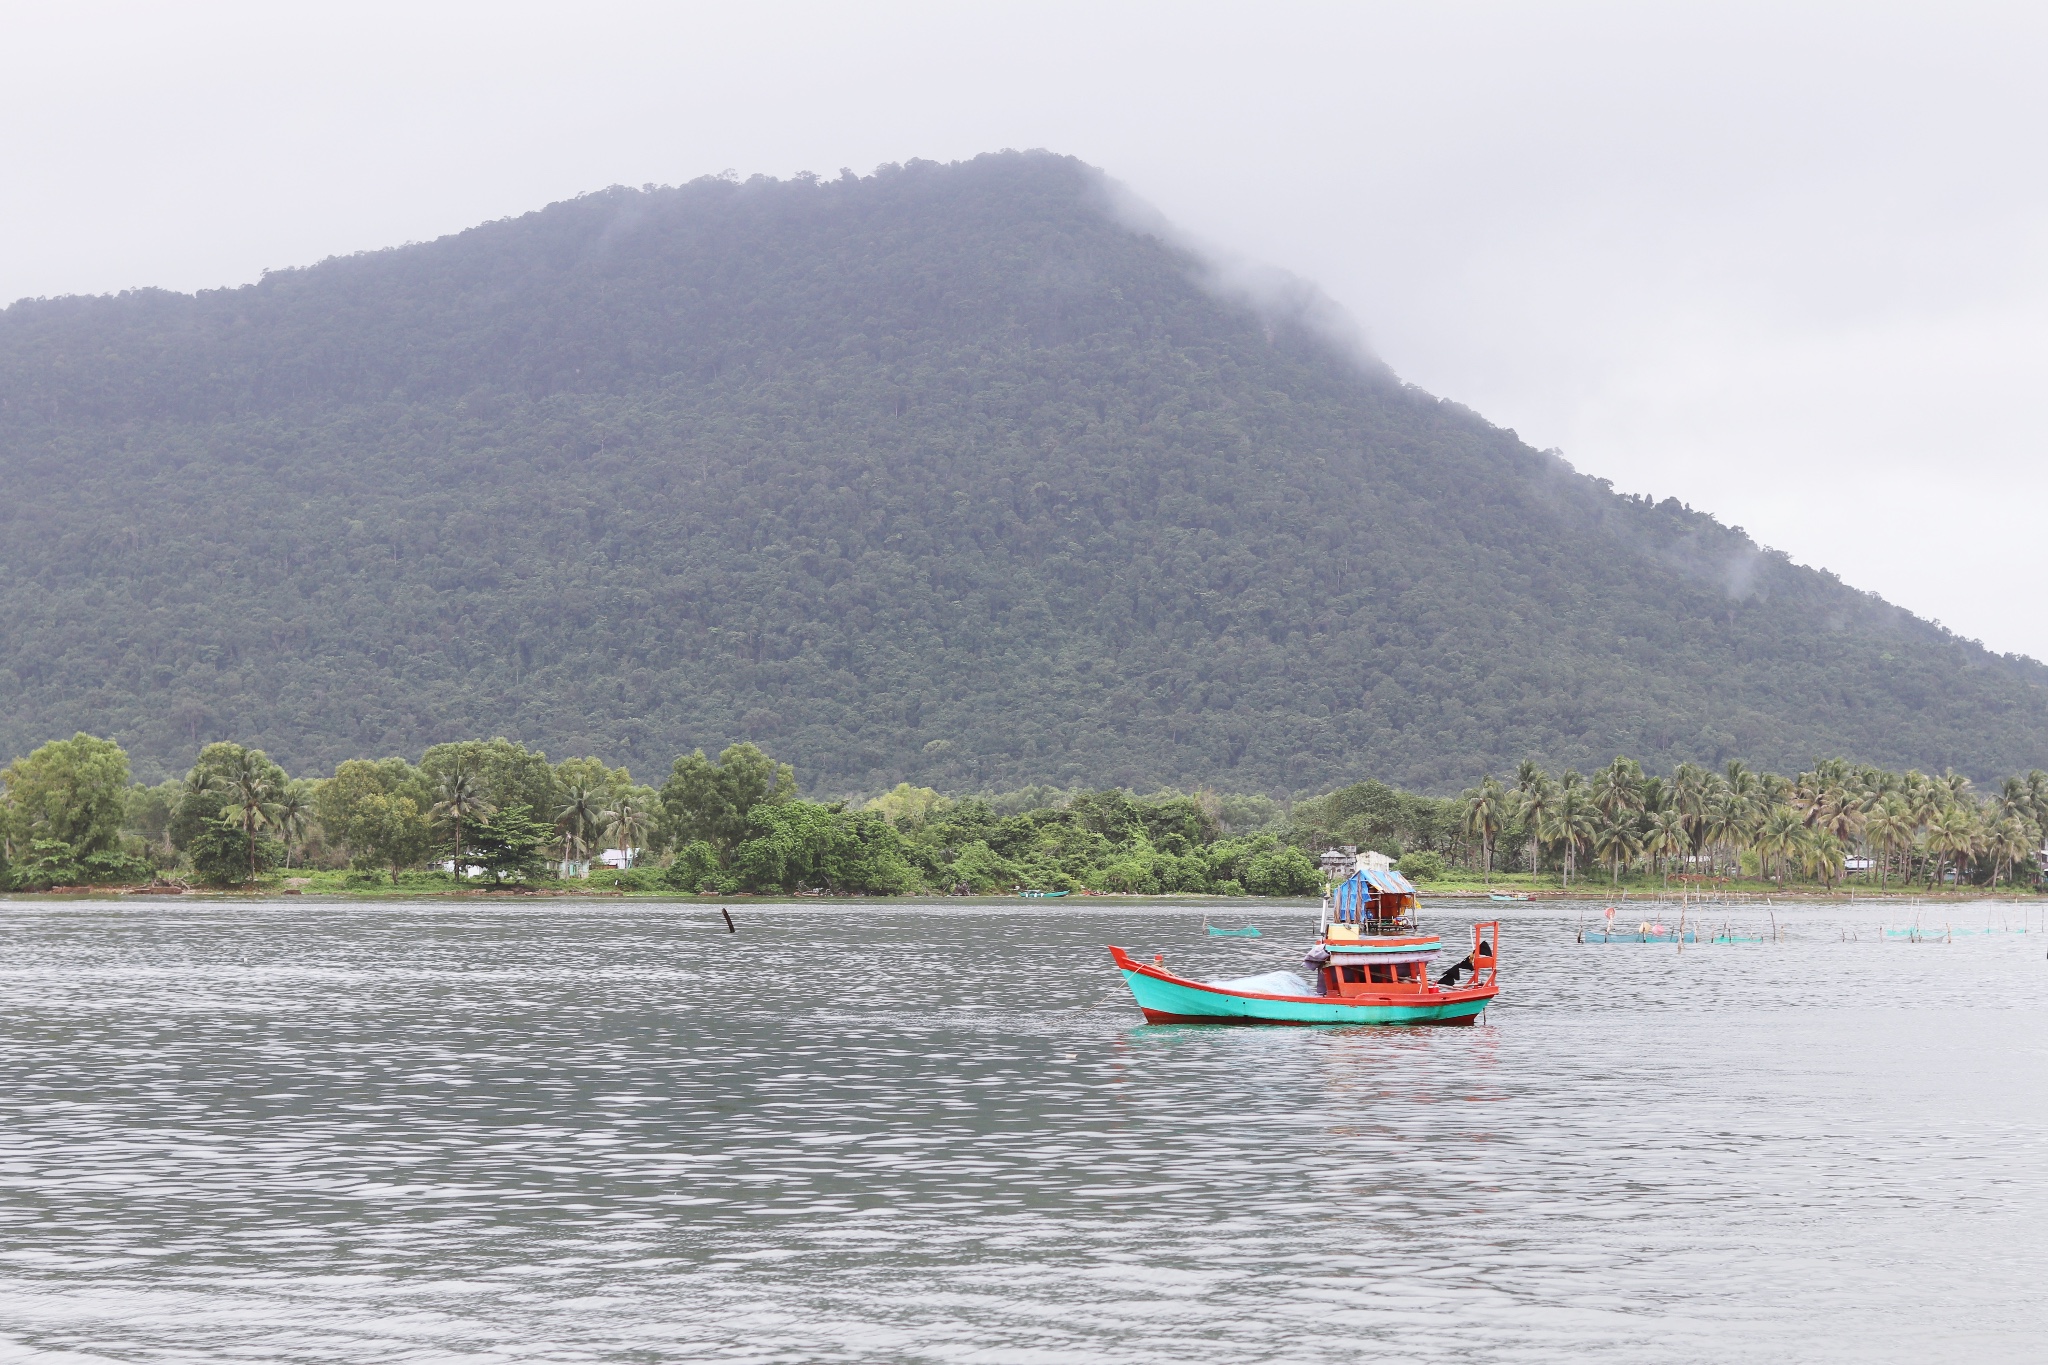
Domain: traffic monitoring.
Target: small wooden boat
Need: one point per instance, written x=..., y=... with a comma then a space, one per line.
x=1249, y=931
x=1041, y=895
x=1369, y=965
x=1507, y=895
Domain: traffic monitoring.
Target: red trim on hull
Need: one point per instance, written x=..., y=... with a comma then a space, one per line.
x=1435, y=995
x=1162, y=1017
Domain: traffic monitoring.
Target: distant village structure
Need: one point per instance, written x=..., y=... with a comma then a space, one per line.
x=1339, y=863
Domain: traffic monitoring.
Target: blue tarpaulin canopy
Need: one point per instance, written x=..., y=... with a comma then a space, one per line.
x=1353, y=899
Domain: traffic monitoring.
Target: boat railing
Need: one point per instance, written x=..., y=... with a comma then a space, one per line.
x=1486, y=964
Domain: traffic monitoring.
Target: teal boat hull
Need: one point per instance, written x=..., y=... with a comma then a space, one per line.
x=1169, y=999
x=1637, y=936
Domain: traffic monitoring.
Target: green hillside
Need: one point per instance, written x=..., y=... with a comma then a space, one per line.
x=942, y=475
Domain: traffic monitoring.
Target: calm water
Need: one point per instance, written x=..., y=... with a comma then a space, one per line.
x=614, y=1132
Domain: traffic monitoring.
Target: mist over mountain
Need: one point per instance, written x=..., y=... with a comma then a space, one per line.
x=949, y=474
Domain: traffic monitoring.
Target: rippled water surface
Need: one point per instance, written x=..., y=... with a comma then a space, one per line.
x=612, y=1131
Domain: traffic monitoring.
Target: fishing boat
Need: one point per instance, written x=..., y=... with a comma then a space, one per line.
x=1249, y=931
x=1649, y=931
x=1369, y=965
x=1041, y=895
x=1645, y=932
x=1507, y=895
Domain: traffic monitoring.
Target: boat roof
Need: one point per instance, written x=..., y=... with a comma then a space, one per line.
x=1355, y=892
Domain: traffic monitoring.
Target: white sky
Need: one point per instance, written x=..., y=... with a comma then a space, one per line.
x=1786, y=263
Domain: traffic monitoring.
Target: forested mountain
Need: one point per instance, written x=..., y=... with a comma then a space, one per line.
x=945, y=474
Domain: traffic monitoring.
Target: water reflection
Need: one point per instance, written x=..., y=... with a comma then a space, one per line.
x=559, y=1132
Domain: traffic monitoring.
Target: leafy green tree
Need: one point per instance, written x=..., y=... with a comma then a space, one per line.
x=715, y=802
x=501, y=773
x=979, y=868
x=1283, y=872
x=150, y=811
x=797, y=845
x=907, y=807
x=223, y=854
x=374, y=810
x=1422, y=866
x=45, y=863
x=694, y=867
x=606, y=784
x=211, y=787
x=73, y=792
x=510, y=845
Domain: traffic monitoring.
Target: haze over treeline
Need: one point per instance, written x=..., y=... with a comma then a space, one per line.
x=945, y=474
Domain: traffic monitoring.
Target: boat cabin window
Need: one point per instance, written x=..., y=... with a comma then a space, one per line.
x=1354, y=973
x=1382, y=972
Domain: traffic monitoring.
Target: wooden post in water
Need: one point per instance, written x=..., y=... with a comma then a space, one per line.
x=730, y=927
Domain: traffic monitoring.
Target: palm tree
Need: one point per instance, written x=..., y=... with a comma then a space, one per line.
x=1688, y=797
x=291, y=814
x=249, y=795
x=1821, y=855
x=1570, y=821
x=1890, y=827
x=462, y=799
x=1486, y=810
x=1783, y=836
x=1617, y=789
x=2009, y=839
x=1617, y=841
x=1666, y=836
x=2037, y=797
x=1926, y=799
x=1535, y=794
x=576, y=820
x=575, y=848
x=1951, y=834
x=1746, y=785
x=626, y=826
x=1725, y=823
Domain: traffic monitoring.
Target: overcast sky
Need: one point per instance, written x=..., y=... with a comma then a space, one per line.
x=1785, y=263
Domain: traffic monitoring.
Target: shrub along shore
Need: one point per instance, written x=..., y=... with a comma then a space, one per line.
x=494, y=815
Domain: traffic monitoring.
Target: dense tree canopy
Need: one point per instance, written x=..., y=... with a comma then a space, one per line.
x=738, y=824
x=945, y=475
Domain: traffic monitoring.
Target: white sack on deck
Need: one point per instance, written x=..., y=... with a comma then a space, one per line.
x=1272, y=983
